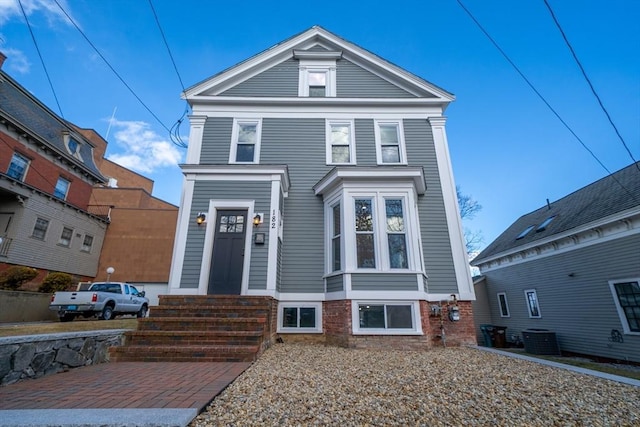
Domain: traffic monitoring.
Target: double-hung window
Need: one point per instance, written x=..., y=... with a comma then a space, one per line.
x=626, y=295
x=504, y=305
x=381, y=232
x=62, y=188
x=87, y=243
x=336, y=238
x=40, y=228
x=390, y=148
x=65, y=237
x=18, y=167
x=245, y=144
x=340, y=142
x=532, y=303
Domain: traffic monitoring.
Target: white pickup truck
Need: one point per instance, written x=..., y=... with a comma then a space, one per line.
x=102, y=299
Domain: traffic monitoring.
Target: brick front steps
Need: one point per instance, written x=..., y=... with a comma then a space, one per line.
x=203, y=328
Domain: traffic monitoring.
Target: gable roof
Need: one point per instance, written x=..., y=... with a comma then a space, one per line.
x=310, y=40
x=604, y=198
x=28, y=114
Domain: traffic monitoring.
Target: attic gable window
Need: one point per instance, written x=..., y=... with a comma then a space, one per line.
x=245, y=141
x=317, y=73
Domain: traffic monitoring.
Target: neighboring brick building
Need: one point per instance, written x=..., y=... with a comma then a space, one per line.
x=139, y=241
x=47, y=172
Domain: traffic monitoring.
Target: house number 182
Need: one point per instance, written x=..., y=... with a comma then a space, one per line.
x=273, y=219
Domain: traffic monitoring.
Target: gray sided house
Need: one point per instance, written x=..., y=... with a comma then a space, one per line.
x=47, y=172
x=319, y=174
x=571, y=267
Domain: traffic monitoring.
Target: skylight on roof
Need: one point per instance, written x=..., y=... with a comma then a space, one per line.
x=544, y=224
x=525, y=232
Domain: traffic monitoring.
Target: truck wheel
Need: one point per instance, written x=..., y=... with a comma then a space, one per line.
x=143, y=311
x=107, y=313
x=67, y=317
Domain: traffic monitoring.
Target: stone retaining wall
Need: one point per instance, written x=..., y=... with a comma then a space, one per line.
x=35, y=356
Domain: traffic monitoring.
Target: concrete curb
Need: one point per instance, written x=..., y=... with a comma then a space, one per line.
x=115, y=417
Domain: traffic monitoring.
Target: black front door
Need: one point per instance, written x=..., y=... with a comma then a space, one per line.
x=225, y=277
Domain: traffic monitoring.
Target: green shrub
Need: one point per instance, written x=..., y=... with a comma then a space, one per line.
x=14, y=276
x=55, y=282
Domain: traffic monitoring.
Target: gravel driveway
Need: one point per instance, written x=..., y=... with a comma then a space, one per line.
x=297, y=385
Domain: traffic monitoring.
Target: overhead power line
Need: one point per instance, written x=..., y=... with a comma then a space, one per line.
x=540, y=95
x=174, y=133
x=35, y=43
x=584, y=73
x=111, y=67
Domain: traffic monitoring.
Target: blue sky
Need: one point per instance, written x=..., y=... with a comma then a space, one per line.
x=509, y=151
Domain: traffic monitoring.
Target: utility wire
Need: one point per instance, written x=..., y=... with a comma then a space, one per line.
x=584, y=73
x=174, y=133
x=33, y=37
x=112, y=69
x=540, y=95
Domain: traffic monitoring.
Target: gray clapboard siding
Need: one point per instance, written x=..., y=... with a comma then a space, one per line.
x=365, y=140
x=352, y=81
x=383, y=282
x=204, y=191
x=278, y=81
x=52, y=256
x=580, y=309
x=335, y=283
x=300, y=144
x=216, y=140
x=436, y=243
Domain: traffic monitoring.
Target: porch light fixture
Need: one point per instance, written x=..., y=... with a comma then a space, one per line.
x=110, y=271
x=201, y=218
x=257, y=220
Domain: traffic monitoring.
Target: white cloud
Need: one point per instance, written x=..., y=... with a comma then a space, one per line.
x=141, y=149
x=10, y=9
x=16, y=60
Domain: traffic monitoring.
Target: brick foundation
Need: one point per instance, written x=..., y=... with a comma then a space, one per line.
x=337, y=326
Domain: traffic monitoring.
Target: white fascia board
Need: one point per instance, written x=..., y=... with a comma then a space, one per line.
x=603, y=222
x=380, y=173
x=202, y=102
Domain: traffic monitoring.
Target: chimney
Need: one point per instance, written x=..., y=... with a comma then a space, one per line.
x=2, y=58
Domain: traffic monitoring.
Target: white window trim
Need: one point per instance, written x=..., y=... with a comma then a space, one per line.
x=346, y=195
x=415, y=317
x=234, y=140
x=66, y=192
x=526, y=299
x=300, y=304
x=401, y=141
x=317, y=66
x=351, y=145
x=381, y=246
x=623, y=318
x=506, y=303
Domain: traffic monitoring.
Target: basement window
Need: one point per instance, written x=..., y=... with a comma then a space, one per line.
x=299, y=317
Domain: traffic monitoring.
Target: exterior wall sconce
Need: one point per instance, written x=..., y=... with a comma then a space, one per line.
x=201, y=218
x=257, y=220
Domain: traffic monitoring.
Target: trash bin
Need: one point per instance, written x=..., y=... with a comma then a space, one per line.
x=487, y=333
x=500, y=336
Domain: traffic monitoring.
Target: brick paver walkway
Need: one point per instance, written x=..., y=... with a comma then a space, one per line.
x=125, y=385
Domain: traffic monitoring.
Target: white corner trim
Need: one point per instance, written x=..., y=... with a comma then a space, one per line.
x=273, y=222
x=182, y=230
x=196, y=130
x=454, y=223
